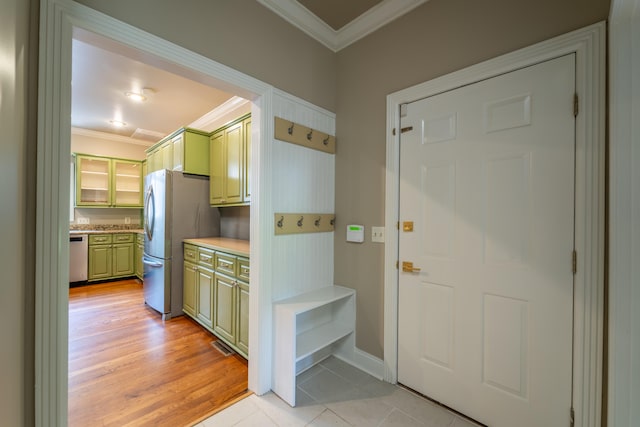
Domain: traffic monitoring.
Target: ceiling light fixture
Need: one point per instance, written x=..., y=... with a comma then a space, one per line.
x=138, y=97
x=117, y=123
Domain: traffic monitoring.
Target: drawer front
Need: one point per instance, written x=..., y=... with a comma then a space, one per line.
x=190, y=253
x=99, y=239
x=122, y=238
x=243, y=269
x=226, y=264
x=205, y=257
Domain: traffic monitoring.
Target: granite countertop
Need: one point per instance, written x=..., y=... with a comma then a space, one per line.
x=232, y=246
x=108, y=231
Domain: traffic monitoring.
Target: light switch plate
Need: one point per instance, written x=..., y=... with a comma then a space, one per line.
x=377, y=234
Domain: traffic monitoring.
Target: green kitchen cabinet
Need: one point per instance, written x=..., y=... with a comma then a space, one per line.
x=185, y=150
x=100, y=258
x=225, y=299
x=108, y=182
x=216, y=294
x=111, y=256
x=189, y=288
x=242, y=317
x=230, y=153
x=204, y=296
x=139, y=256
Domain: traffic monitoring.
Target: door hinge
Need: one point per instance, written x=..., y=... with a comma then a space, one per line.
x=576, y=105
x=572, y=418
x=398, y=225
x=574, y=262
x=397, y=265
x=393, y=132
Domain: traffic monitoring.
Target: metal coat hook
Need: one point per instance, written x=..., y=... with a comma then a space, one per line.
x=310, y=134
x=280, y=222
x=317, y=222
x=326, y=140
x=290, y=129
x=333, y=221
x=300, y=221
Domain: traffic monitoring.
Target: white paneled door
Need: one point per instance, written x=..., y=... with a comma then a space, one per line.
x=487, y=219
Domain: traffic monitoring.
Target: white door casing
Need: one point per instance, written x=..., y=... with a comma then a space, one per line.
x=58, y=20
x=588, y=44
x=486, y=179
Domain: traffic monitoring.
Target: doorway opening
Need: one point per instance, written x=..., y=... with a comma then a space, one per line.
x=59, y=20
x=176, y=97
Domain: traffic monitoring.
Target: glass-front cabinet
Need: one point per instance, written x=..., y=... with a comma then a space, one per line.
x=127, y=183
x=108, y=182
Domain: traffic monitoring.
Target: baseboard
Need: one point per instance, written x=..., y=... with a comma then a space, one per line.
x=363, y=361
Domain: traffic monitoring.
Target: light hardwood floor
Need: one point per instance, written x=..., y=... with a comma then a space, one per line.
x=128, y=367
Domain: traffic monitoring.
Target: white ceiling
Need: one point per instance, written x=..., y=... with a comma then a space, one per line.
x=103, y=71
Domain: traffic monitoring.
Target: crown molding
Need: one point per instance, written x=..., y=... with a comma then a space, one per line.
x=110, y=136
x=376, y=17
x=224, y=113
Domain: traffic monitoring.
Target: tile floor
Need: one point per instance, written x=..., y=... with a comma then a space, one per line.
x=333, y=393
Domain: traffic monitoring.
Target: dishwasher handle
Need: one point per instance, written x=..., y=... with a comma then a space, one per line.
x=76, y=238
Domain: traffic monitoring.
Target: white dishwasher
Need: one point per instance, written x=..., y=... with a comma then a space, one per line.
x=78, y=257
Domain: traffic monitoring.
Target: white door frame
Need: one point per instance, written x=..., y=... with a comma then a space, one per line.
x=589, y=46
x=58, y=19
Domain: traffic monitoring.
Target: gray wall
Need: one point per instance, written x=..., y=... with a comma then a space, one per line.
x=18, y=85
x=438, y=37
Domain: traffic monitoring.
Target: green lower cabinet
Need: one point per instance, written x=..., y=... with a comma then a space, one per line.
x=242, y=317
x=123, y=264
x=204, y=296
x=216, y=294
x=100, y=262
x=189, y=288
x=224, y=316
x=108, y=260
x=139, y=261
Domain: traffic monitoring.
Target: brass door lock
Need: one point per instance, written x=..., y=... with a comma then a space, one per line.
x=407, y=267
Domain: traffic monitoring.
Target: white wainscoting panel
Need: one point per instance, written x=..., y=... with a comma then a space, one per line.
x=303, y=182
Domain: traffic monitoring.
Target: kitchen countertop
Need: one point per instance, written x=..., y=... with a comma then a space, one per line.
x=133, y=230
x=233, y=246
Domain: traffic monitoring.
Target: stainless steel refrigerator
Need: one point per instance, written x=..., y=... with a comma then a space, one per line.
x=176, y=207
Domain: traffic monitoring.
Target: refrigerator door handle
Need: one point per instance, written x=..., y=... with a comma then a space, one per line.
x=150, y=262
x=149, y=208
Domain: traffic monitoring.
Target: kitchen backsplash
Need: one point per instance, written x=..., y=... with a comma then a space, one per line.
x=94, y=217
x=234, y=221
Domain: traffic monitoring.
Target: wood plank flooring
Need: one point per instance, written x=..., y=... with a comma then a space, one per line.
x=128, y=367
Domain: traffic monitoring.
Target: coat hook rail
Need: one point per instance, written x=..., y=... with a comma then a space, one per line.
x=295, y=133
x=296, y=223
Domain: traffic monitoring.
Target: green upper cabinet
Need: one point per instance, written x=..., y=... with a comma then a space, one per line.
x=108, y=182
x=230, y=153
x=185, y=150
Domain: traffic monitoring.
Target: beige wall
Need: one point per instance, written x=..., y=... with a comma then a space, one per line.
x=241, y=34
x=17, y=166
x=439, y=37
x=105, y=147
